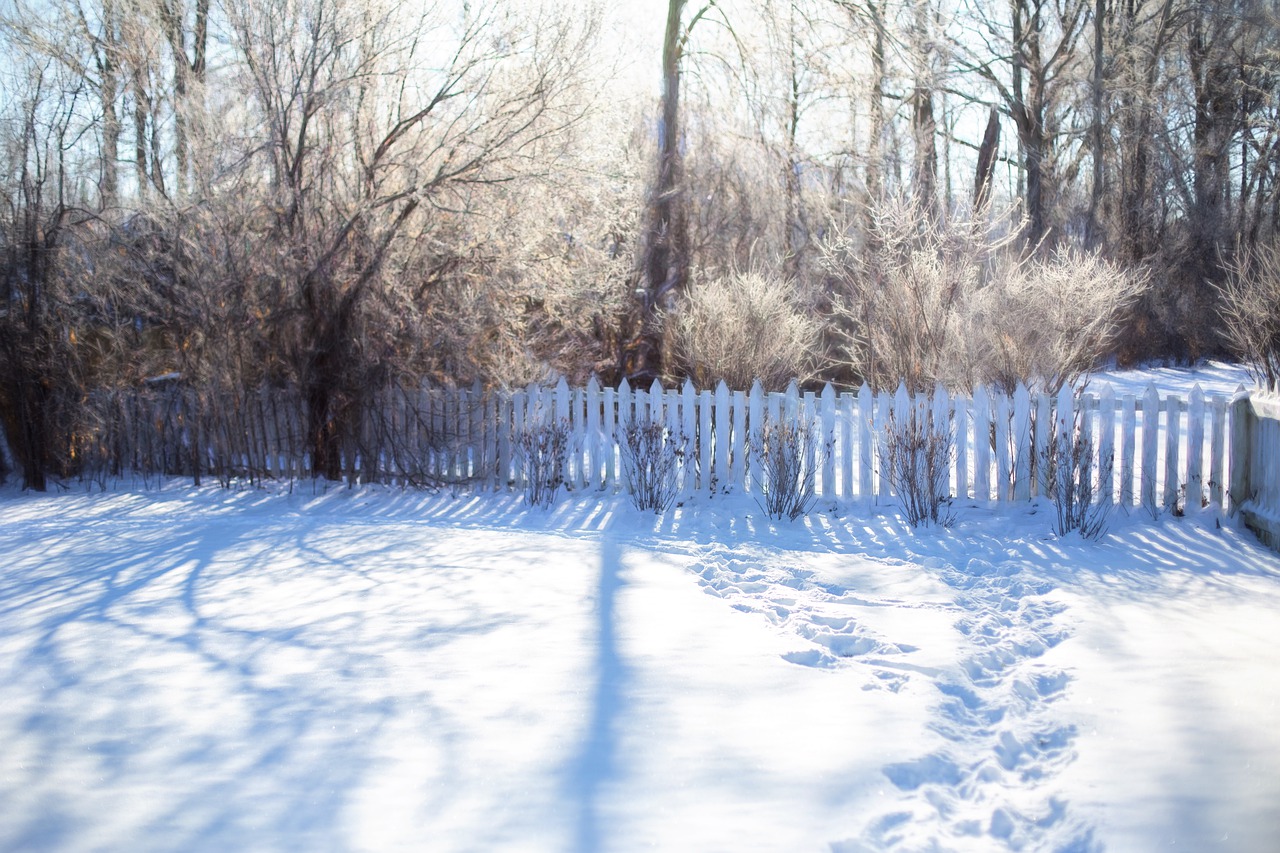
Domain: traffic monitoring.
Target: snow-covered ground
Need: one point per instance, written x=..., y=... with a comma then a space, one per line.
x=1213, y=377
x=371, y=669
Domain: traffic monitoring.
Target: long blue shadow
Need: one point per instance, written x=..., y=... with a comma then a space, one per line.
x=595, y=764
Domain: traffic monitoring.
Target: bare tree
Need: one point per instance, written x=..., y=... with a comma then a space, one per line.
x=371, y=122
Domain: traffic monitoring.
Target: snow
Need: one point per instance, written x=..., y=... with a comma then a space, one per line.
x=369, y=669
x=1214, y=378
x=372, y=669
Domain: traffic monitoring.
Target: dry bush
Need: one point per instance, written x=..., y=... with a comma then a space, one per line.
x=651, y=456
x=1251, y=313
x=788, y=455
x=919, y=455
x=901, y=293
x=543, y=449
x=743, y=327
x=1046, y=321
x=1074, y=482
x=955, y=303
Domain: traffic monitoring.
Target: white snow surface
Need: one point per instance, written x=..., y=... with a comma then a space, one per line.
x=371, y=669
x=1214, y=378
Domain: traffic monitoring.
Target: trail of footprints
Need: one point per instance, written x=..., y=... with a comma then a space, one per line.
x=990, y=785
x=815, y=610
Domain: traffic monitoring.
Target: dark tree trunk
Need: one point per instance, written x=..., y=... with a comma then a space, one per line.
x=665, y=266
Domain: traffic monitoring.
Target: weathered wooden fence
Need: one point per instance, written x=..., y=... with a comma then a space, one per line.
x=1164, y=451
x=1255, y=476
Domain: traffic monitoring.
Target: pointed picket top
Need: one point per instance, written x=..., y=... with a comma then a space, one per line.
x=1196, y=396
x=688, y=387
x=828, y=393
x=941, y=409
x=792, y=409
x=901, y=401
x=1021, y=396
x=657, y=399
x=1066, y=408
x=593, y=385
x=1151, y=401
x=1107, y=397
x=864, y=391
x=722, y=388
x=624, y=387
x=757, y=389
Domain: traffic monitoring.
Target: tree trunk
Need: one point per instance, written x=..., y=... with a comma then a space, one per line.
x=665, y=267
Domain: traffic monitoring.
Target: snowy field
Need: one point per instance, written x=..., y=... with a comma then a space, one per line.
x=370, y=669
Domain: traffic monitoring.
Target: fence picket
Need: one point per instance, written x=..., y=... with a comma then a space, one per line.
x=689, y=434
x=737, y=450
x=981, y=445
x=1172, y=480
x=1195, y=449
x=721, y=424
x=1217, y=458
x=755, y=417
x=1150, y=446
x=1107, y=442
x=1022, y=443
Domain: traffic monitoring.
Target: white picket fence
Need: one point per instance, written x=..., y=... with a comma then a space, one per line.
x=1163, y=449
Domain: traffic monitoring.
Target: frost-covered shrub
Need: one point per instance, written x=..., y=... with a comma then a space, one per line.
x=1251, y=313
x=787, y=455
x=743, y=327
x=651, y=457
x=543, y=449
x=1074, y=482
x=919, y=455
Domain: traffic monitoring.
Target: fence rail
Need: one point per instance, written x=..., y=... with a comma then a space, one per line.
x=1166, y=451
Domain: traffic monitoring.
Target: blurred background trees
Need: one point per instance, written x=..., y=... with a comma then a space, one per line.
x=340, y=195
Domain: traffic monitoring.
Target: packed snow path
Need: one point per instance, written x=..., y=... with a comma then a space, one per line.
x=993, y=779
x=372, y=670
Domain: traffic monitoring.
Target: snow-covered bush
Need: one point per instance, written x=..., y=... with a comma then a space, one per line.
x=1074, y=482
x=788, y=455
x=543, y=449
x=1251, y=313
x=743, y=327
x=651, y=457
x=925, y=301
x=919, y=458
